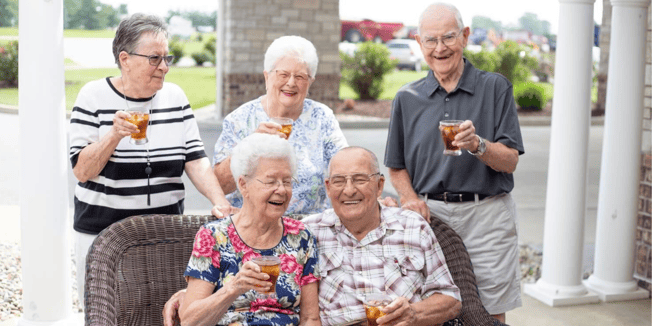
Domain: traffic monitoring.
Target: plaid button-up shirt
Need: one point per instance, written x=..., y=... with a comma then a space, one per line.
x=401, y=257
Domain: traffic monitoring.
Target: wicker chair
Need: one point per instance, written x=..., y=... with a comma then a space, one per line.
x=459, y=264
x=135, y=265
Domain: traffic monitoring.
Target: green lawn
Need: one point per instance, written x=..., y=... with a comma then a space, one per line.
x=105, y=33
x=198, y=83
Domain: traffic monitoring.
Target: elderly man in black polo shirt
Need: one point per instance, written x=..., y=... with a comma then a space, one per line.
x=471, y=192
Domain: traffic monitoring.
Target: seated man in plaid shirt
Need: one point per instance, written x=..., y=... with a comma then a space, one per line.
x=365, y=247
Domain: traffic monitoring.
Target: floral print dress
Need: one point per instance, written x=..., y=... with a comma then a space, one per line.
x=219, y=252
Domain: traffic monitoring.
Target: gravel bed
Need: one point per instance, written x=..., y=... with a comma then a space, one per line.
x=11, y=278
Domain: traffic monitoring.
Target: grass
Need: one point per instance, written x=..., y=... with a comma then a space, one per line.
x=104, y=33
x=197, y=82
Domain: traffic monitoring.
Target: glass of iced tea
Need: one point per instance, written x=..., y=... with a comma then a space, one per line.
x=373, y=302
x=286, y=125
x=270, y=265
x=450, y=128
x=139, y=117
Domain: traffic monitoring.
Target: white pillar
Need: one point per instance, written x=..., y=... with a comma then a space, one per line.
x=45, y=252
x=613, y=273
x=219, y=60
x=563, y=236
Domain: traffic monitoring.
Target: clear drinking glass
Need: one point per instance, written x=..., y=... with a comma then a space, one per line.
x=139, y=117
x=450, y=128
x=286, y=125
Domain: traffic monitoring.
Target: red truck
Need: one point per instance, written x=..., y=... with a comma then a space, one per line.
x=368, y=30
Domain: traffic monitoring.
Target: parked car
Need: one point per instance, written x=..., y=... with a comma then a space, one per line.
x=407, y=52
x=368, y=30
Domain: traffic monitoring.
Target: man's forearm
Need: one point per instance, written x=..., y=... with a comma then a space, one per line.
x=500, y=157
x=401, y=182
x=202, y=177
x=222, y=171
x=436, y=309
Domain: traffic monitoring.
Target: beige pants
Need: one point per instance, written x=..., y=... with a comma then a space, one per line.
x=83, y=242
x=488, y=228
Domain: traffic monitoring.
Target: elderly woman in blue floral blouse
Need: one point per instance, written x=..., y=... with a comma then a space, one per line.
x=222, y=280
x=290, y=67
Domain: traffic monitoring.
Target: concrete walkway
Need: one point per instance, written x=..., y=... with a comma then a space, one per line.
x=529, y=193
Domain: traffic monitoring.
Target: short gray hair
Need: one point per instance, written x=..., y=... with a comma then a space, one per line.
x=128, y=34
x=452, y=9
x=373, y=159
x=295, y=47
x=248, y=152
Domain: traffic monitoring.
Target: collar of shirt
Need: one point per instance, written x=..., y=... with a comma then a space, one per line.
x=388, y=221
x=466, y=83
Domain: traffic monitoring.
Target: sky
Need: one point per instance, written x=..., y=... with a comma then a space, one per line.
x=404, y=11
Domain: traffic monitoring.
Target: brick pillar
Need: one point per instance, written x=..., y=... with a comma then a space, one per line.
x=252, y=25
x=643, y=270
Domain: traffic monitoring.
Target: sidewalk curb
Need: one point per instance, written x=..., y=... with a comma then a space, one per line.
x=206, y=117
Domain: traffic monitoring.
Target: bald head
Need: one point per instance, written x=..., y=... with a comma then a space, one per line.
x=347, y=153
x=440, y=11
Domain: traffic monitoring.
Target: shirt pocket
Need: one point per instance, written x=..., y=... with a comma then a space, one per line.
x=404, y=275
x=332, y=274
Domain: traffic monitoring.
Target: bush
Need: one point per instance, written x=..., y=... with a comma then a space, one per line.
x=514, y=63
x=176, y=49
x=201, y=57
x=531, y=97
x=364, y=71
x=9, y=63
x=209, y=47
x=483, y=60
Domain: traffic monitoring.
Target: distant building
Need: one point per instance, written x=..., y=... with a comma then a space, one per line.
x=180, y=27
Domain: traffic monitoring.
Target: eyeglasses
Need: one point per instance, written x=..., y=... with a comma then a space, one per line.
x=284, y=76
x=274, y=184
x=155, y=60
x=358, y=179
x=447, y=40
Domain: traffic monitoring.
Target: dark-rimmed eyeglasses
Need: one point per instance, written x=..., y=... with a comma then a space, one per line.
x=447, y=40
x=155, y=60
x=357, y=179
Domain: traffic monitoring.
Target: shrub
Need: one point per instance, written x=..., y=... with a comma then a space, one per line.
x=531, y=97
x=513, y=62
x=209, y=47
x=176, y=49
x=483, y=60
x=201, y=57
x=364, y=71
x=9, y=63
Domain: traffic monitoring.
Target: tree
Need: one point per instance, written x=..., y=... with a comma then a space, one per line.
x=9, y=13
x=531, y=22
x=90, y=14
x=486, y=23
x=197, y=18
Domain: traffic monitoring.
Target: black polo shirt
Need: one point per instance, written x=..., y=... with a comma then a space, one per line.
x=414, y=141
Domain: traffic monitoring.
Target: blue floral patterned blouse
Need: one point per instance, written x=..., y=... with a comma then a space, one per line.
x=316, y=137
x=218, y=254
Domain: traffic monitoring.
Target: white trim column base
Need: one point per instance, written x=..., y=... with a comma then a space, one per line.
x=615, y=291
x=75, y=319
x=559, y=296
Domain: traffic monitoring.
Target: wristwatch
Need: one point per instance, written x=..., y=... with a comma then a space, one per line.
x=482, y=147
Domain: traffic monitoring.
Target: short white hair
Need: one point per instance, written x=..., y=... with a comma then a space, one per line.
x=294, y=47
x=452, y=9
x=247, y=154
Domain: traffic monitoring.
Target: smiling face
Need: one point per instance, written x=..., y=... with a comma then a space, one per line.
x=272, y=200
x=445, y=61
x=355, y=203
x=145, y=79
x=291, y=92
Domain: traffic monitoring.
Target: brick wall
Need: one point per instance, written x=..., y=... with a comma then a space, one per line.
x=643, y=270
x=252, y=25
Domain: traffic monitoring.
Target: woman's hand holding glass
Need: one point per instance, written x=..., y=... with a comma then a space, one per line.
x=248, y=278
x=271, y=128
x=121, y=127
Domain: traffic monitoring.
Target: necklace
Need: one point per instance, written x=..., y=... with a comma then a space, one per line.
x=148, y=168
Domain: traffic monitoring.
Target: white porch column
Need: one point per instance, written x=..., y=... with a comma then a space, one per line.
x=563, y=238
x=45, y=252
x=619, y=176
